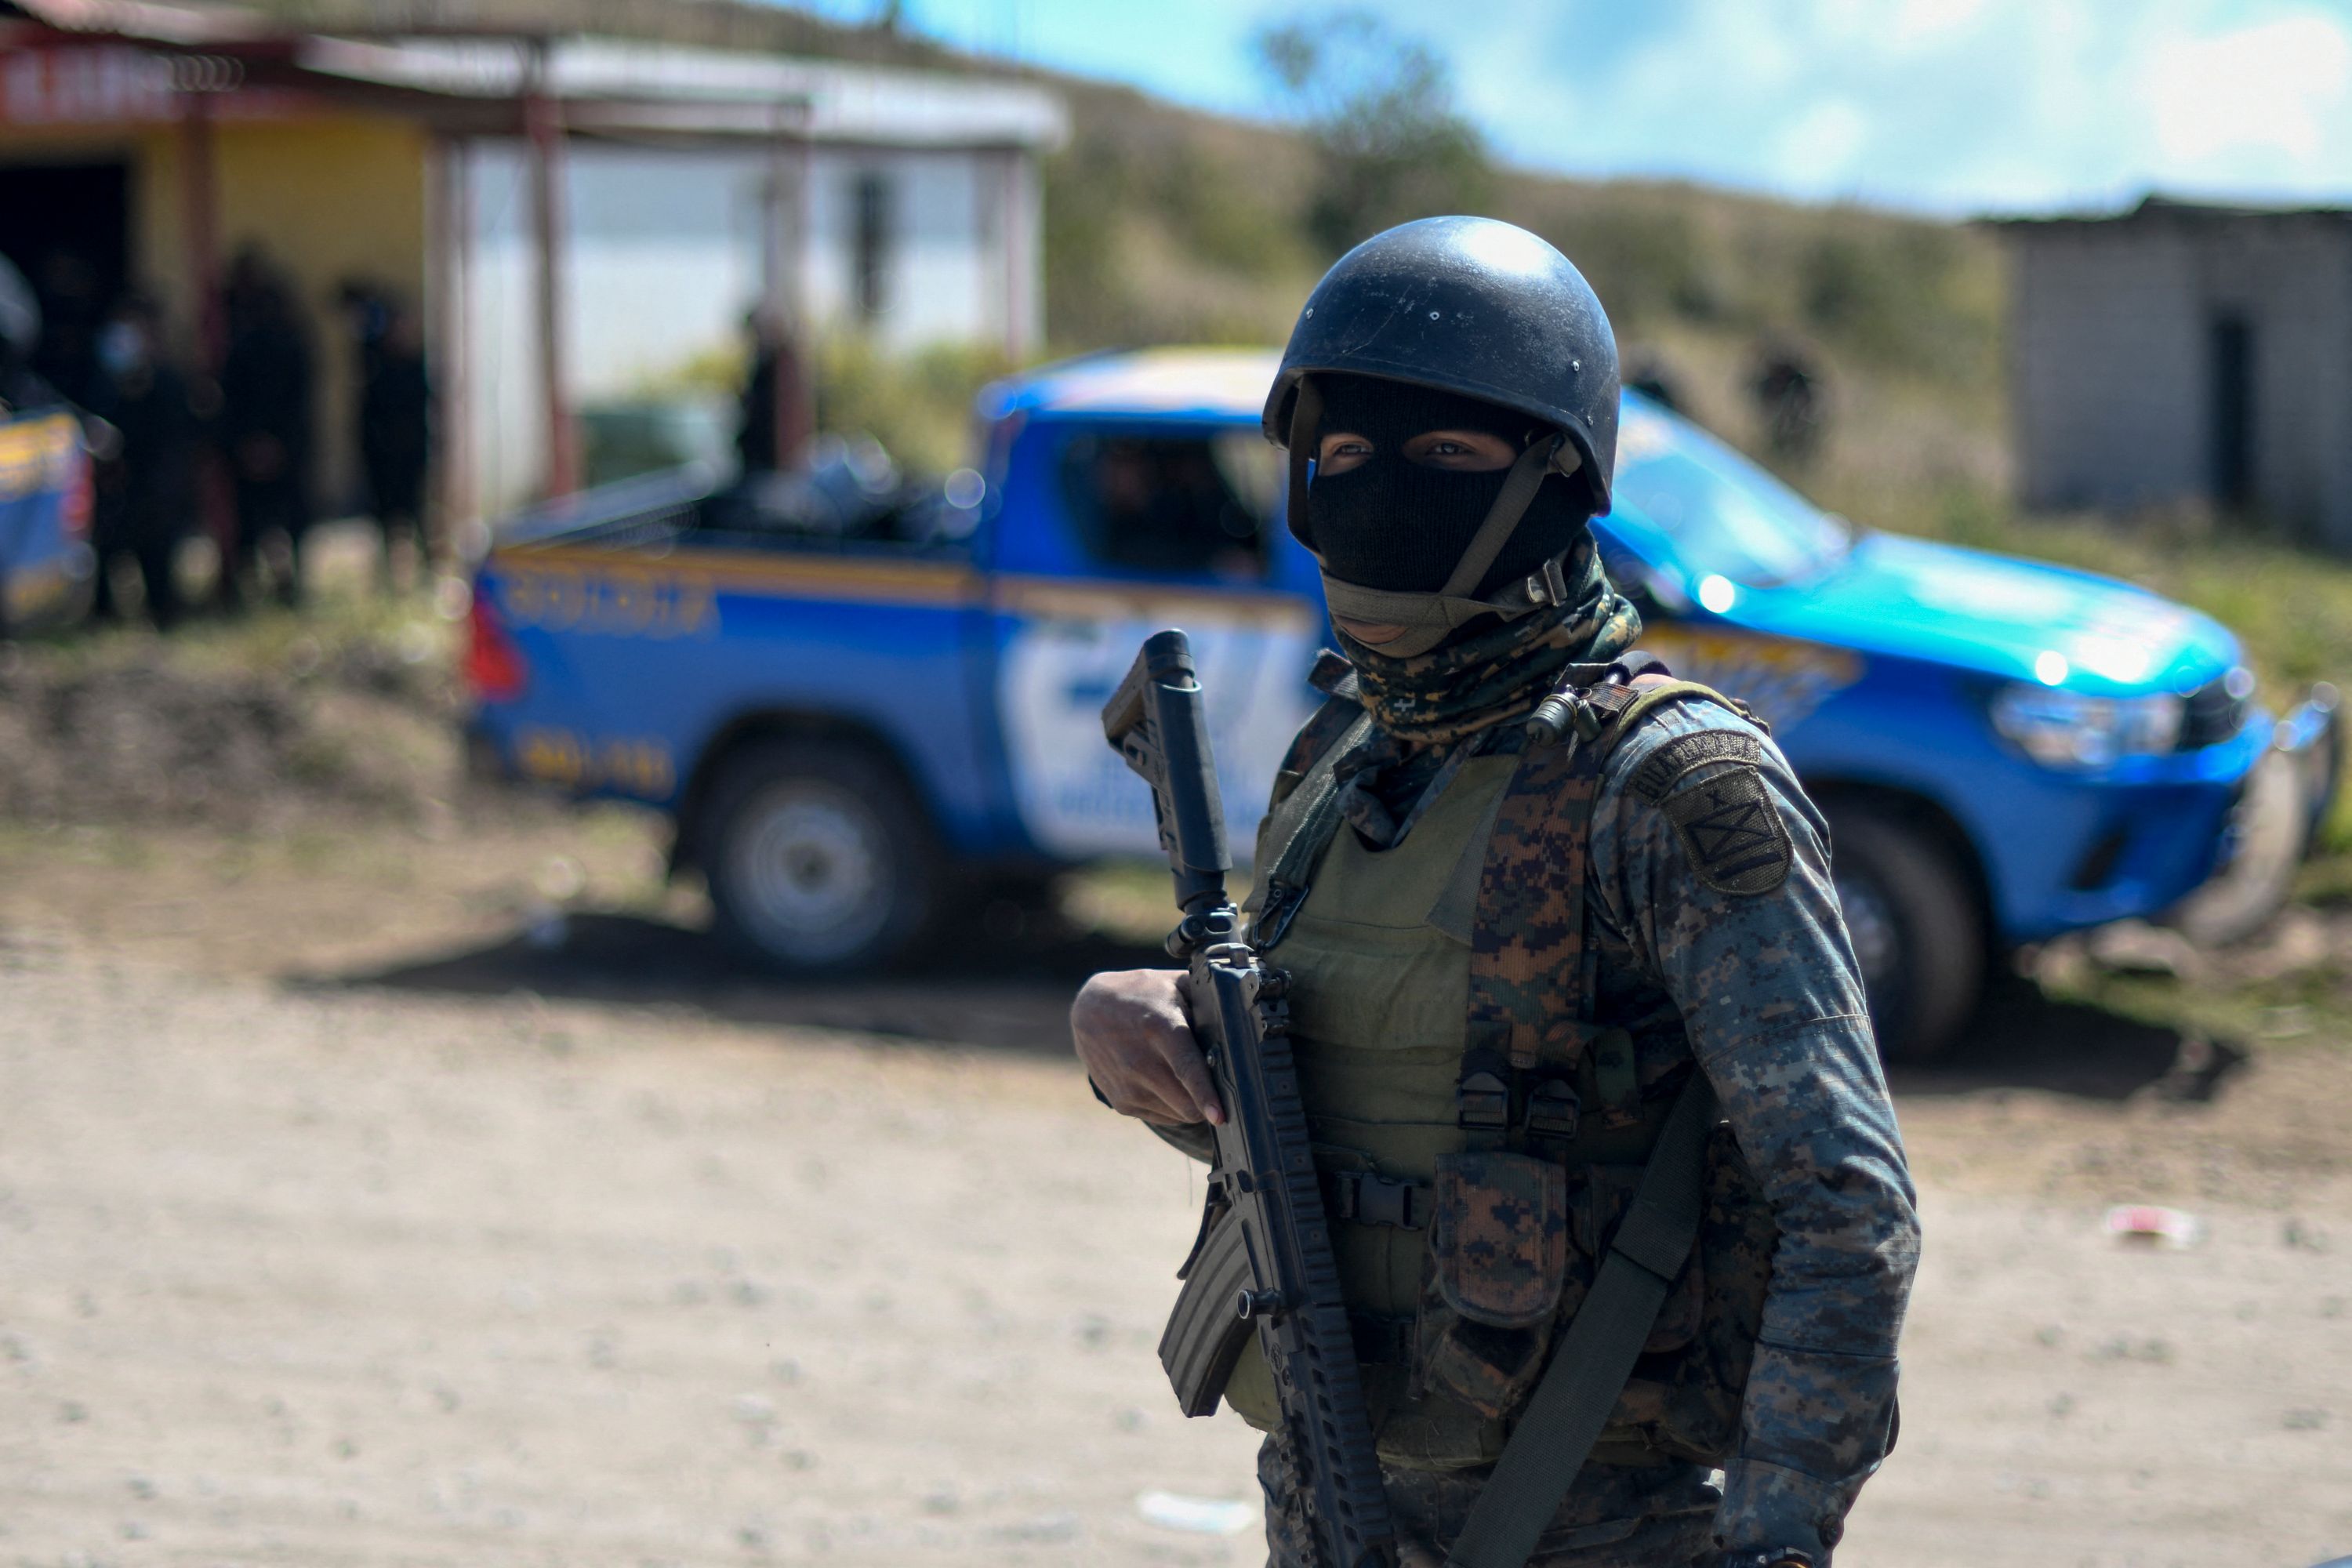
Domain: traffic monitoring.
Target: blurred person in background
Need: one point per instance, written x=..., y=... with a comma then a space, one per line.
x=147, y=497
x=396, y=440
x=1790, y=401
x=770, y=401
x=265, y=428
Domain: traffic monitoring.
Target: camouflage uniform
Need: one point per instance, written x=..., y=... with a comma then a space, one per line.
x=1769, y=999
x=1507, y=965
x=1716, y=936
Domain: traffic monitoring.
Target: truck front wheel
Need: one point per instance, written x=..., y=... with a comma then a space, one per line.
x=818, y=856
x=1917, y=937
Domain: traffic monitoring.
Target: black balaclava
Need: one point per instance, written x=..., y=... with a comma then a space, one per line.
x=1395, y=524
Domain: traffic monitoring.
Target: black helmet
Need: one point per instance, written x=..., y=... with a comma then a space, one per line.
x=1471, y=305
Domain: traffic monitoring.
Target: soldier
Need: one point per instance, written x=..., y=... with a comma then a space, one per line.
x=396, y=430
x=1513, y=953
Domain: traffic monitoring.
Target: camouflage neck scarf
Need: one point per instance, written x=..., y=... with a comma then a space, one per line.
x=1499, y=672
x=1421, y=706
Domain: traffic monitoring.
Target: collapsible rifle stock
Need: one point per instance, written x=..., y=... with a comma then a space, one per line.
x=1263, y=1264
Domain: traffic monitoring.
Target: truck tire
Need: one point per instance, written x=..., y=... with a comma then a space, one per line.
x=1916, y=935
x=819, y=858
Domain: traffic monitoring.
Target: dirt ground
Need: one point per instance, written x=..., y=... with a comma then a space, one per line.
x=434, y=1194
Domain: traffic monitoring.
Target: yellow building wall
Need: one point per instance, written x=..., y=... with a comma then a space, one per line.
x=328, y=198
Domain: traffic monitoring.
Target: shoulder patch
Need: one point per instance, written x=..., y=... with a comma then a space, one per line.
x=1730, y=827
x=1667, y=766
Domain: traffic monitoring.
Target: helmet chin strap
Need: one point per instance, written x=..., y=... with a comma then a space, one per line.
x=1428, y=619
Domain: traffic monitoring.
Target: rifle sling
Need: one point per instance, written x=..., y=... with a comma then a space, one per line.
x=1299, y=831
x=1590, y=1365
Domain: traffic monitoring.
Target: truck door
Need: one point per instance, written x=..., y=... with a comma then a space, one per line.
x=1124, y=529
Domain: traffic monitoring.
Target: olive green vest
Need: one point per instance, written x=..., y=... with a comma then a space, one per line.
x=1379, y=1006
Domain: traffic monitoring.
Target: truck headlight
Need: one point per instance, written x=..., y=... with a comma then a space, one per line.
x=2068, y=730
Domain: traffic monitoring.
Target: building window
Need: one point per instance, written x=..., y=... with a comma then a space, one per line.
x=870, y=240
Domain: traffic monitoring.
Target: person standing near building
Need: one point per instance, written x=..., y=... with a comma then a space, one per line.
x=1792, y=402
x=147, y=497
x=265, y=428
x=1514, y=952
x=396, y=440
x=773, y=406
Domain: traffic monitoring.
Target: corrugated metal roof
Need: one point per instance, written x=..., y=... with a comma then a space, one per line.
x=716, y=88
x=621, y=59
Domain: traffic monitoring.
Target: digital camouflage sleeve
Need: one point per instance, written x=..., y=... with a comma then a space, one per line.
x=1711, y=892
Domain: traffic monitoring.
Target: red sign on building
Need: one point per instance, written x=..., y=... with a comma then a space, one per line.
x=113, y=85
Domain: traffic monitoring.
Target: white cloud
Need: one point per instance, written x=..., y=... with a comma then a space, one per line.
x=1923, y=22
x=1953, y=105
x=2280, y=86
x=1821, y=144
x=1948, y=105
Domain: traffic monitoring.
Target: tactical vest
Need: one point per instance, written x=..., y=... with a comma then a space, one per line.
x=1480, y=1132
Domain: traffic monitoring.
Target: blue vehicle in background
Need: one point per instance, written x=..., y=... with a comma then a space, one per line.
x=46, y=565
x=861, y=703
x=46, y=576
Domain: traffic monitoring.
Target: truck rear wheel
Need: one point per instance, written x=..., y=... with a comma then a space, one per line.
x=818, y=856
x=1917, y=937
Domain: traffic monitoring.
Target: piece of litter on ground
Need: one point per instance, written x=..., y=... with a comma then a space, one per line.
x=2149, y=1223
x=1198, y=1515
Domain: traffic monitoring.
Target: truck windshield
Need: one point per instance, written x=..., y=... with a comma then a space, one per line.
x=1725, y=514
x=1176, y=505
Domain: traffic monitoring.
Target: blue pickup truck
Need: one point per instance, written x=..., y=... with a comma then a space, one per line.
x=855, y=722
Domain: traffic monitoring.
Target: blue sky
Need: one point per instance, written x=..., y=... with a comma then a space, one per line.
x=1941, y=105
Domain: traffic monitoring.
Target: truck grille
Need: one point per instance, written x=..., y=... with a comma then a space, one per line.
x=2217, y=709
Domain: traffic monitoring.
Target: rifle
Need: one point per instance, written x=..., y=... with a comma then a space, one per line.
x=1263, y=1264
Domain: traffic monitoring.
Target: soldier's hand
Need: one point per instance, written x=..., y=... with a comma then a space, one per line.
x=1135, y=1036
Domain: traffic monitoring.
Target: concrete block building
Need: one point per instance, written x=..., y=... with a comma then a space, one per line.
x=2187, y=352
